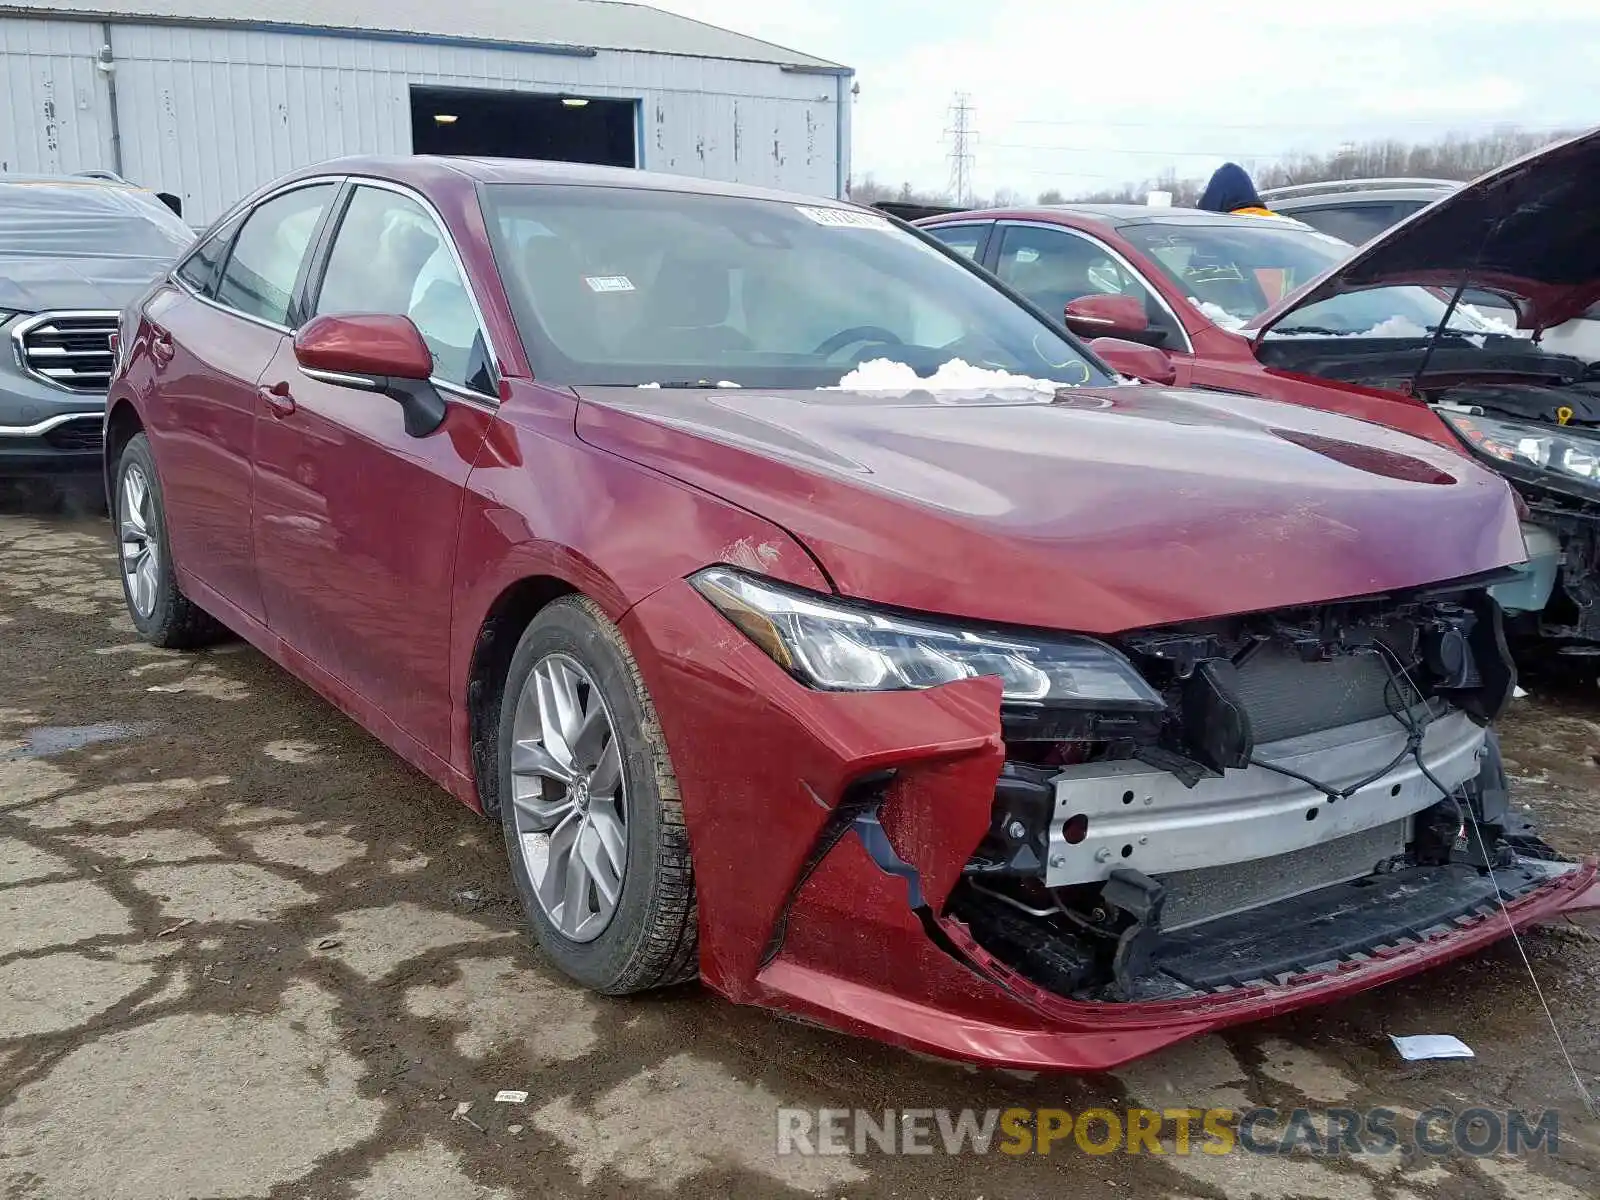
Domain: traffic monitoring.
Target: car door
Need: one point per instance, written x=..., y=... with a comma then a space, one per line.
x=355, y=520
x=1052, y=265
x=211, y=337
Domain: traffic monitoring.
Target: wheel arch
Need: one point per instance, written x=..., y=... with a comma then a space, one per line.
x=123, y=423
x=501, y=628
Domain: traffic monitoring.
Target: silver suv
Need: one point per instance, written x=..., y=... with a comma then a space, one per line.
x=73, y=251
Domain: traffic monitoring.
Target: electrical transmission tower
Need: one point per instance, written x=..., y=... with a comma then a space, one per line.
x=963, y=137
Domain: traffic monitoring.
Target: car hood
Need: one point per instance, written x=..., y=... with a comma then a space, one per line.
x=1099, y=510
x=1529, y=231
x=33, y=284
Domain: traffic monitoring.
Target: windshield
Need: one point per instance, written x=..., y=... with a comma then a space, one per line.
x=1235, y=272
x=88, y=220
x=622, y=286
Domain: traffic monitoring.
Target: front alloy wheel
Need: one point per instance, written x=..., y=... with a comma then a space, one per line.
x=589, y=807
x=568, y=797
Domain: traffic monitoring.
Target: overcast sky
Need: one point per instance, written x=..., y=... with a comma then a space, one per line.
x=1083, y=96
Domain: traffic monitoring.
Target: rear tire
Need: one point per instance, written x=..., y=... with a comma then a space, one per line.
x=160, y=611
x=585, y=779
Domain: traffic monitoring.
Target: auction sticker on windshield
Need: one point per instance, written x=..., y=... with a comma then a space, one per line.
x=843, y=218
x=609, y=283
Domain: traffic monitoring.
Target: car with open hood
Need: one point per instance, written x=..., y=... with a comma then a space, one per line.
x=74, y=249
x=1274, y=308
x=820, y=620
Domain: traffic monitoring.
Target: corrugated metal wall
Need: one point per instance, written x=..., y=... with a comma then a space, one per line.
x=212, y=113
x=56, y=112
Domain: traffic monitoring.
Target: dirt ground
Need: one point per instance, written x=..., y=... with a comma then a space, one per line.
x=245, y=952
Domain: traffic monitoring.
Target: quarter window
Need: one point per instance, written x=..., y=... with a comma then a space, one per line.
x=269, y=252
x=199, y=270
x=390, y=256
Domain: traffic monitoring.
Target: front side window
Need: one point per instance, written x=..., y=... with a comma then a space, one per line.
x=267, y=255
x=623, y=286
x=390, y=256
x=1052, y=268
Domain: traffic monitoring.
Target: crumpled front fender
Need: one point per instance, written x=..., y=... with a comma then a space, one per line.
x=764, y=763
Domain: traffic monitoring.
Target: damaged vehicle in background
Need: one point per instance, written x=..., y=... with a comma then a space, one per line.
x=1278, y=310
x=74, y=249
x=819, y=619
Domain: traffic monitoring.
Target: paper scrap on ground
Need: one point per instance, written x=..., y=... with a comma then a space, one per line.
x=886, y=375
x=1518, y=692
x=510, y=1096
x=1431, y=1045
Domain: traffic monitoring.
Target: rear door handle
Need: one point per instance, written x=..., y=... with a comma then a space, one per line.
x=161, y=348
x=279, y=402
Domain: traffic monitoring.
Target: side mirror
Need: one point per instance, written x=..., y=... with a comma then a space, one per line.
x=1142, y=362
x=1106, y=315
x=374, y=353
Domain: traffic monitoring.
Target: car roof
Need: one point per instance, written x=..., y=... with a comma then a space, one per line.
x=1357, y=191
x=1373, y=196
x=424, y=168
x=1116, y=216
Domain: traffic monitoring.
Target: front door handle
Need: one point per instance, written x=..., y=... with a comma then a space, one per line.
x=279, y=402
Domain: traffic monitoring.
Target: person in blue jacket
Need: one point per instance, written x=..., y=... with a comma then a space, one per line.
x=1231, y=190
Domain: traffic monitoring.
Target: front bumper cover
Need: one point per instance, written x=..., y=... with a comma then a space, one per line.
x=809, y=905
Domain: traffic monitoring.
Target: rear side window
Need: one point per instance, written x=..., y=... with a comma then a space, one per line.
x=966, y=240
x=1355, y=223
x=199, y=270
x=269, y=252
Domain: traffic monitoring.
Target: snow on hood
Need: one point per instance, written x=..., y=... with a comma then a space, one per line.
x=886, y=375
x=1529, y=231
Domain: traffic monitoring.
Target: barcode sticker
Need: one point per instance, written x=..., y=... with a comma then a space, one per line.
x=843, y=218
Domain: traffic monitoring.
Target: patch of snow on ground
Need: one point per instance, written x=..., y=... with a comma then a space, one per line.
x=885, y=375
x=1217, y=315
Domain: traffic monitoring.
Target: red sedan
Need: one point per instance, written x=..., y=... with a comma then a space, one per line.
x=817, y=619
x=1271, y=307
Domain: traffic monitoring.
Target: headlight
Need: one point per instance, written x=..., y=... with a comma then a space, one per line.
x=1567, y=452
x=840, y=647
x=6, y=315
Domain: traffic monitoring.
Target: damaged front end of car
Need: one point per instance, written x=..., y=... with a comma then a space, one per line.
x=1205, y=824
x=1319, y=785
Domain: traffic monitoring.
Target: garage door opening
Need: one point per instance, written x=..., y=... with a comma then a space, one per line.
x=523, y=125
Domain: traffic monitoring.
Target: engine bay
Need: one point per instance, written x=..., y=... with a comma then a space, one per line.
x=1319, y=784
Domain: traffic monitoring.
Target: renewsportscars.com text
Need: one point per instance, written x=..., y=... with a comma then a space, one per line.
x=1172, y=1131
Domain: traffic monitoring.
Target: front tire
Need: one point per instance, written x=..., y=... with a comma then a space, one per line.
x=589, y=807
x=160, y=611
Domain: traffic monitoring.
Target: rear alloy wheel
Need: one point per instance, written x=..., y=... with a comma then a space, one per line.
x=161, y=613
x=589, y=807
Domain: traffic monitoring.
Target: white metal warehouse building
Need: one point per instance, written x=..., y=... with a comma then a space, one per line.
x=190, y=97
